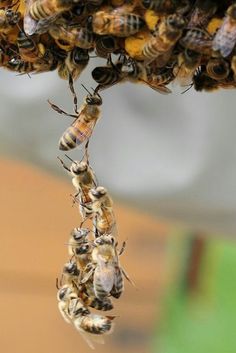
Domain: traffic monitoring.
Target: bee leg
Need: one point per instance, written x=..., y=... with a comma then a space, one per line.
x=127, y=277
x=87, y=276
x=122, y=248
x=60, y=111
x=71, y=85
x=64, y=165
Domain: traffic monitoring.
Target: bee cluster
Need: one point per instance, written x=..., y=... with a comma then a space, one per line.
x=154, y=42
x=93, y=273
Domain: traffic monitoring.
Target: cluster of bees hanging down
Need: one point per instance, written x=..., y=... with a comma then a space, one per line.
x=153, y=42
x=93, y=274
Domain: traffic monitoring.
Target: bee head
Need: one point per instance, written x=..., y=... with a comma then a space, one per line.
x=70, y=268
x=104, y=239
x=98, y=192
x=64, y=293
x=79, y=233
x=78, y=168
x=83, y=249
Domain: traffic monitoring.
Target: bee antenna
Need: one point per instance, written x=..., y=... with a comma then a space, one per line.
x=72, y=160
x=86, y=89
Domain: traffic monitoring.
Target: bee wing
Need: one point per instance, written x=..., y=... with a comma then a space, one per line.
x=29, y=24
x=160, y=89
x=106, y=276
x=90, y=338
x=85, y=129
x=225, y=38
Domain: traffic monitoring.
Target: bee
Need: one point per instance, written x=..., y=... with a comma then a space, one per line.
x=85, y=120
x=168, y=33
x=217, y=68
x=188, y=62
x=43, y=9
x=8, y=20
x=105, y=45
x=202, y=12
x=48, y=62
x=198, y=40
x=115, y=23
x=225, y=38
x=70, y=37
x=108, y=75
x=28, y=49
x=75, y=312
x=106, y=270
x=83, y=179
x=32, y=26
x=74, y=64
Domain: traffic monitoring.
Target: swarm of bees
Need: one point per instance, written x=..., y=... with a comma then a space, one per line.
x=153, y=42
x=93, y=275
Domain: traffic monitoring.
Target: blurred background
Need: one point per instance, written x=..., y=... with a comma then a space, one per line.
x=169, y=163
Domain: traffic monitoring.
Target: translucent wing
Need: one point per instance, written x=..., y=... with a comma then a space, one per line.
x=225, y=38
x=29, y=23
x=84, y=130
x=105, y=275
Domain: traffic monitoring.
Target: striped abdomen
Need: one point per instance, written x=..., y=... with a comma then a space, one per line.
x=118, y=287
x=46, y=8
x=105, y=75
x=105, y=223
x=76, y=134
x=27, y=48
x=95, y=324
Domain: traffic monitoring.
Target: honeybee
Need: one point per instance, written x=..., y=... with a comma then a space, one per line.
x=225, y=38
x=168, y=33
x=108, y=75
x=32, y=26
x=188, y=62
x=42, y=9
x=74, y=64
x=115, y=23
x=83, y=179
x=202, y=12
x=85, y=120
x=75, y=312
x=8, y=19
x=106, y=270
x=72, y=36
x=28, y=49
x=198, y=40
x=105, y=45
x=217, y=68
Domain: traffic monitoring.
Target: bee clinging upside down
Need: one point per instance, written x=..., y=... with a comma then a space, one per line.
x=84, y=120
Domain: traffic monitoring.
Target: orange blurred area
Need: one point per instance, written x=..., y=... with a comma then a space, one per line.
x=36, y=219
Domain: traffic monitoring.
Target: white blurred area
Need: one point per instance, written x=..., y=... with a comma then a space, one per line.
x=173, y=156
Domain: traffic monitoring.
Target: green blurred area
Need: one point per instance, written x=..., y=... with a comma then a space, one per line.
x=203, y=319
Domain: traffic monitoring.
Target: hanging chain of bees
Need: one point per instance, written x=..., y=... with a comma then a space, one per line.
x=93, y=273
x=153, y=42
